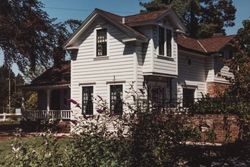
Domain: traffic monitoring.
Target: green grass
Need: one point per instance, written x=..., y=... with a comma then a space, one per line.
x=35, y=142
x=5, y=149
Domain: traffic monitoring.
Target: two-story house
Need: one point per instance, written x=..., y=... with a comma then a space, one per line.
x=149, y=50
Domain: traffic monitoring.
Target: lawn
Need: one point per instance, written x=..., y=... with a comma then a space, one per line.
x=35, y=142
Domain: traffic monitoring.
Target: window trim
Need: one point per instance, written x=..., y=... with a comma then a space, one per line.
x=165, y=42
x=109, y=96
x=95, y=45
x=190, y=88
x=93, y=87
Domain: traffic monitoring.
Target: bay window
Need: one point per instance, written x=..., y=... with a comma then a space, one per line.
x=165, y=42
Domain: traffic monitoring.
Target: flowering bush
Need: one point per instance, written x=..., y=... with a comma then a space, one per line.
x=47, y=153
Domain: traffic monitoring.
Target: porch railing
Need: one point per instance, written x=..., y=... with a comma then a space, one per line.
x=44, y=114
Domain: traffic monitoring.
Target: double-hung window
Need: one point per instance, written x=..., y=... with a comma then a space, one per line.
x=161, y=41
x=101, y=42
x=87, y=100
x=165, y=42
x=116, y=104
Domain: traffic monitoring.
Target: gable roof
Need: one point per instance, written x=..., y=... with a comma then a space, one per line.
x=124, y=23
x=206, y=45
x=145, y=17
x=216, y=43
x=56, y=75
x=117, y=20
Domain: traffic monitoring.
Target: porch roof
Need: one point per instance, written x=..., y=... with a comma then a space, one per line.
x=57, y=76
x=207, y=45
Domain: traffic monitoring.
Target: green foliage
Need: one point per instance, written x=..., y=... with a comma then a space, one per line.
x=140, y=137
x=31, y=100
x=96, y=150
x=29, y=37
x=211, y=135
x=240, y=64
x=203, y=18
x=157, y=138
x=45, y=153
x=223, y=104
x=15, y=91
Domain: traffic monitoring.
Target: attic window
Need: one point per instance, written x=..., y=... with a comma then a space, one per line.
x=101, y=42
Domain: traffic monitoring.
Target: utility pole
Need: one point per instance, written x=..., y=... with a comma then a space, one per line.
x=9, y=92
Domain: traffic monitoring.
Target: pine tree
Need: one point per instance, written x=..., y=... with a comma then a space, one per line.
x=203, y=18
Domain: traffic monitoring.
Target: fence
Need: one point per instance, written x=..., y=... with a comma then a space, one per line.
x=7, y=116
x=44, y=114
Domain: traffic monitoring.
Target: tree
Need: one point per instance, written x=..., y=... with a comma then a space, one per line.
x=29, y=37
x=202, y=18
x=240, y=64
x=14, y=92
x=63, y=32
x=26, y=33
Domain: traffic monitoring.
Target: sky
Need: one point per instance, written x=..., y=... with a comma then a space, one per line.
x=80, y=9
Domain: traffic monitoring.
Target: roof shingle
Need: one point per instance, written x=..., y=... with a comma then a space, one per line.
x=206, y=45
x=54, y=76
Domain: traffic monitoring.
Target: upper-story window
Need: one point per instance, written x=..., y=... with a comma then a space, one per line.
x=161, y=40
x=169, y=42
x=165, y=44
x=101, y=42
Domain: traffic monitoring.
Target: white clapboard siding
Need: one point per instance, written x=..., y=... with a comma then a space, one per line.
x=224, y=75
x=222, y=71
x=209, y=66
x=89, y=70
x=147, y=49
x=192, y=75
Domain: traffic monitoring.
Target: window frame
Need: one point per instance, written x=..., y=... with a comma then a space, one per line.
x=96, y=42
x=166, y=51
x=188, y=103
x=110, y=99
x=85, y=112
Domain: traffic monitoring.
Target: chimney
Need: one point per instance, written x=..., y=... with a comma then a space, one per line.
x=123, y=20
x=218, y=34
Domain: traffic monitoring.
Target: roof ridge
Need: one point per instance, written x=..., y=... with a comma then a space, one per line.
x=97, y=9
x=212, y=37
x=201, y=45
x=157, y=11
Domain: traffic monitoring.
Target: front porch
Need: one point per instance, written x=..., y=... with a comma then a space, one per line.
x=52, y=103
x=51, y=91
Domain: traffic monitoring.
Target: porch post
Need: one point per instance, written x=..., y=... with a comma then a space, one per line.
x=48, y=100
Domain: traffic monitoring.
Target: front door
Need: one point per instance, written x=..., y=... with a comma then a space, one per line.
x=55, y=100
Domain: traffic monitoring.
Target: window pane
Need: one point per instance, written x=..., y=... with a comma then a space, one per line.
x=158, y=96
x=116, y=105
x=87, y=100
x=101, y=46
x=169, y=45
x=188, y=97
x=161, y=40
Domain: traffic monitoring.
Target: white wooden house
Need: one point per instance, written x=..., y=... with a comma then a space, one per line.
x=150, y=50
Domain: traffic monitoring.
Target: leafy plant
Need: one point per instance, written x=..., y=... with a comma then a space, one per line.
x=45, y=154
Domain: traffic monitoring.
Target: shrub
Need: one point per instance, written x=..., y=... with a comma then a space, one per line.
x=44, y=153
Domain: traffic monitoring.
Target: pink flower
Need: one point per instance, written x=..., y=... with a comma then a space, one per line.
x=72, y=101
